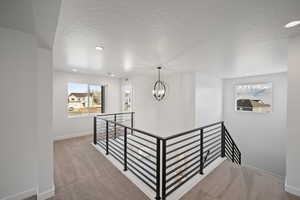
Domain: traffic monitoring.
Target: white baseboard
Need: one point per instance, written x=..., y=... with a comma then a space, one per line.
x=32, y=192
x=291, y=189
x=63, y=137
x=46, y=194
x=21, y=195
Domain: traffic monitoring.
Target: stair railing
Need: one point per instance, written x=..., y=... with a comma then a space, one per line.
x=164, y=164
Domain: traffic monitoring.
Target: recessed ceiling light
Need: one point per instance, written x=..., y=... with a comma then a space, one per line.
x=74, y=70
x=111, y=74
x=292, y=24
x=99, y=48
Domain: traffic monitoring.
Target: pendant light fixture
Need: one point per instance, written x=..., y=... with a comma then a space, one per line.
x=159, y=90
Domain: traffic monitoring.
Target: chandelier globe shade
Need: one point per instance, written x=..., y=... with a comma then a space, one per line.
x=159, y=89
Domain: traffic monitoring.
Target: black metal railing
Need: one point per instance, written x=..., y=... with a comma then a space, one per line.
x=137, y=150
x=188, y=154
x=231, y=151
x=163, y=164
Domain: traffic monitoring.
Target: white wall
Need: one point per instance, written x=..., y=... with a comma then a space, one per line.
x=18, y=112
x=208, y=100
x=26, y=149
x=44, y=122
x=293, y=137
x=174, y=114
x=64, y=126
x=260, y=136
x=144, y=105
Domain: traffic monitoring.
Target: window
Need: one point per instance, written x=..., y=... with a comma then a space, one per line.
x=85, y=99
x=254, y=97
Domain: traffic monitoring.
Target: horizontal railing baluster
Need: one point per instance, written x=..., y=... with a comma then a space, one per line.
x=189, y=172
x=116, y=156
x=140, y=155
x=212, y=160
x=214, y=146
x=213, y=154
x=172, y=157
x=212, y=143
x=182, y=171
x=183, y=140
x=145, y=170
x=181, y=159
x=144, y=139
x=144, y=163
x=213, y=151
x=143, y=180
x=178, y=148
x=181, y=183
x=140, y=149
x=180, y=166
x=101, y=144
x=209, y=135
x=142, y=144
x=212, y=139
x=140, y=172
x=213, y=129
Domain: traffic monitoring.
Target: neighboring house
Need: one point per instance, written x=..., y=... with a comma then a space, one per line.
x=77, y=101
x=253, y=105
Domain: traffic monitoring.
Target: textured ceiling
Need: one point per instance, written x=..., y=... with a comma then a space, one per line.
x=224, y=37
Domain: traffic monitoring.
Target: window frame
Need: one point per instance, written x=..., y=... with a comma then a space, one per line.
x=89, y=114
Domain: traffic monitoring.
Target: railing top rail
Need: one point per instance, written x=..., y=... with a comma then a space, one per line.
x=156, y=136
x=190, y=131
x=108, y=114
x=134, y=129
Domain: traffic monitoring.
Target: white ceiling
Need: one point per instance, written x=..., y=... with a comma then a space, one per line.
x=224, y=37
x=36, y=17
x=15, y=14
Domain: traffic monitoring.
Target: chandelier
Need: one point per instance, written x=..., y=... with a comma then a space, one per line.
x=159, y=89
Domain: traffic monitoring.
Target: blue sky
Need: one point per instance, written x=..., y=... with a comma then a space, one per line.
x=82, y=88
x=77, y=88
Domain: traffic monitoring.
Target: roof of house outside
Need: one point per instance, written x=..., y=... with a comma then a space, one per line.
x=79, y=94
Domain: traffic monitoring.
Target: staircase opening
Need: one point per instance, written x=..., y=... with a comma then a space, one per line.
x=163, y=164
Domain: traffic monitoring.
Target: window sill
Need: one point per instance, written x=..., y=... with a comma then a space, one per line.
x=84, y=116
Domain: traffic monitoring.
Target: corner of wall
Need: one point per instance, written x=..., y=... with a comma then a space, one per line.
x=291, y=189
x=46, y=194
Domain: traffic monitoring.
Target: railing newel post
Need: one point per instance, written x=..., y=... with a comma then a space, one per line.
x=95, y=130
x=164, y=169
x=107, y=139
x=132, y=115
x=115, y=125
x=201, y=152
x=158, y=169
x=125, y=149
x=222, y=140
